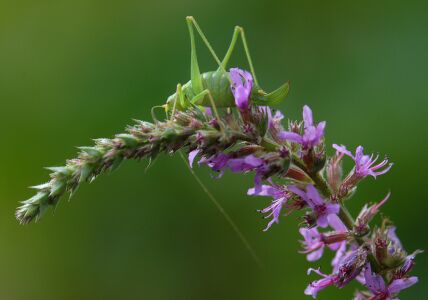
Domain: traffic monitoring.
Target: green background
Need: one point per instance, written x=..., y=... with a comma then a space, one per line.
x=75, y=70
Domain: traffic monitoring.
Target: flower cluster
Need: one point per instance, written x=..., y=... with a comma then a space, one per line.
x=290, y=166
x=314, y=184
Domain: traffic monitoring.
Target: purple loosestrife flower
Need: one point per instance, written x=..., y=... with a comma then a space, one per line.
x=274, y=121
x=319, y=206
x=221, y=161
x=314, y=241
x=407, y=266
x=280, y=196
x=245, y=164
x=242, y=84
x=216, y=162
x=313, y=134
x=365, y=164
x=349, y=268
x=339, y=257
x=380, y=290
x=316, y=286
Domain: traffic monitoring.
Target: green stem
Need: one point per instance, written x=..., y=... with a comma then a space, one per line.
x=346, y=217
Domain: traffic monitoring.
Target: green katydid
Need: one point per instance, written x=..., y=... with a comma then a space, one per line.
x=212, y=89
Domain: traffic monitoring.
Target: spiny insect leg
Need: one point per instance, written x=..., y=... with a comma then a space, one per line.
x=247, y=53
x=239, y=30
x=191, y=20
x=231, y=48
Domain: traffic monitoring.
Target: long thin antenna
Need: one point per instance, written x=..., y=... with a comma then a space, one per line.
x=225, y=214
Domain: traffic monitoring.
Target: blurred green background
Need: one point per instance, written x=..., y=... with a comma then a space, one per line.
x=75, y=70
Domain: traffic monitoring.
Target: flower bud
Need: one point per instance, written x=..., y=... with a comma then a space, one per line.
x=367, y=213
x=334, y=237
x=407, y=265
x=315, y=158
x=387, y=248
x=351, y=266
x=334, y=172
x=297, y=174
x=260, y=117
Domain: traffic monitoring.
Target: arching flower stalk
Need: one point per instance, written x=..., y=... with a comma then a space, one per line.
x=289, y=165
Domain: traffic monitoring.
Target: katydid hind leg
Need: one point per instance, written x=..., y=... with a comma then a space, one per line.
x=232, y=45
x=247, y=53
x=240, y=31
x=191, y=20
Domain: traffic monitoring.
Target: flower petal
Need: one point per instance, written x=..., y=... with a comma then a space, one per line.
x=342, y=149
x=192, y=155
x=307, y=116
x=290, y=136
x=401, y=284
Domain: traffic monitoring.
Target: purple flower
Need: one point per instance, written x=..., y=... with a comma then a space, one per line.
x=280, y=196
x=407, y=265
x=349, y=268
x=242, y=84
x=337, y=224
x=318, y=205
x=365, y=165
x=216, y=162
x=341, y=254
x=316, y=286
x=314, y=242
x=221, y=161
x=312, y=135
x=245, y=164
x=274, y=120
x=377, y=286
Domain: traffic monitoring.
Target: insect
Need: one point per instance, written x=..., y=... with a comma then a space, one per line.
x=212, y=89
